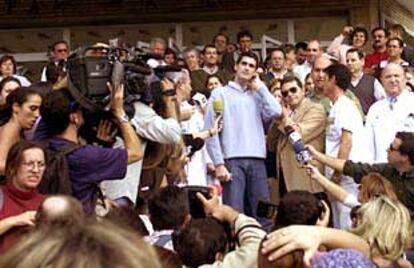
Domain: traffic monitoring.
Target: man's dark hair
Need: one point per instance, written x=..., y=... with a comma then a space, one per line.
x=290, y=78
x=358, y=51
x=199, y=241
x=56, y=109
x=58, y=43
x=399, y=40
x=280, y=49
x=221, y=34
x=298, y=207
x=379, y=28
x=301, y=45
x=168, y=208
x=208, y=46
x=360, y=30
x=407, y=144
x=244, y=33
x=249, y=54
x=169, y=51
x=341, y=73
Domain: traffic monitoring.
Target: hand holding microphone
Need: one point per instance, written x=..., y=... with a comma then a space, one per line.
x=218, y=112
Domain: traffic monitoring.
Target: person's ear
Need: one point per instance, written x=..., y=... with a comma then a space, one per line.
x=15, y=107
x=219, y=256
x=187, y=219
x=74, y=118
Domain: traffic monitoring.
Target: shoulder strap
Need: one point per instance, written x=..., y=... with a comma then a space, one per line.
x=67, y=149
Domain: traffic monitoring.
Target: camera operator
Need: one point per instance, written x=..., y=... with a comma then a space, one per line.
x=89, y=165
x=157, y=123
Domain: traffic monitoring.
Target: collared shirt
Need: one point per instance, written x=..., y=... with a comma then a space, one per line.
x=403, y=182
x=244, y=112
x=379, y=92
x=301, y=71
x=278, y=75
x=210, y=71
x=382, y=123
x=161, y=238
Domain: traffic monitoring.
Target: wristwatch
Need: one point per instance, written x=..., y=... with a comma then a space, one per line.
x=123, y=118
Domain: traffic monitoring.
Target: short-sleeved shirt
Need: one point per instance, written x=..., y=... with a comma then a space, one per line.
x=88, y=166
x=344, y=115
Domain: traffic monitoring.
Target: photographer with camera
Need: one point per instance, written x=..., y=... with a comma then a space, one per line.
x=157, y=124
x=88, y=165
x=210, y=247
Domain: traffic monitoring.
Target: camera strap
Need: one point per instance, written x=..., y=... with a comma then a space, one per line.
x=244, y=227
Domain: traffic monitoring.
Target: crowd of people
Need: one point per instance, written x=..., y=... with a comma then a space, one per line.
x=302, y=159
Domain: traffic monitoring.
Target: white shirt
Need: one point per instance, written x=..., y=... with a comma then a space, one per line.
x=382, y=124
x=379, y=92
x=23, y=80
x=196, y=168
x=344, y=115
x=301, y=71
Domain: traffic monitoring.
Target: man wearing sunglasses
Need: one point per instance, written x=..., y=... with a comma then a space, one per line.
x=239, y=151
x=60, y=52
x=344, y=135
x=398, y=168
x=309, y=120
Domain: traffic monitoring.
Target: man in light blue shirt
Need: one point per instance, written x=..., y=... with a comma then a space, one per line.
x=238, y=152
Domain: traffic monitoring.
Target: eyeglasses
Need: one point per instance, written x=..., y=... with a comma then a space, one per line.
x=391, y=148
x=393, y=46
x=292, y=90
x=62, y=50
x=33, y=164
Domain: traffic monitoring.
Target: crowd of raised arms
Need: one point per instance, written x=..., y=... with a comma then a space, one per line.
x=304, y=158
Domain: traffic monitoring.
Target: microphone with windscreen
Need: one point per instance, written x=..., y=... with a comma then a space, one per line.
x=218, y=110
x=295, y=139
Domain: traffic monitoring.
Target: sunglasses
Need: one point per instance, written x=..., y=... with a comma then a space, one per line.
x=292, y=90
x=62, y=50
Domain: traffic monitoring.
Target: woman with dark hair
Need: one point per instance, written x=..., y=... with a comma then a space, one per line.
x=8, y=67
x=357, y=36
x=21, y=113
x=7, y=85
x=25, y=164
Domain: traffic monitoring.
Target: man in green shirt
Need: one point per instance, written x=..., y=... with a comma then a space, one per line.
x=399, y=169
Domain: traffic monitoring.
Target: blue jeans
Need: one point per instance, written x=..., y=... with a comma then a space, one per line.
x=247, y=186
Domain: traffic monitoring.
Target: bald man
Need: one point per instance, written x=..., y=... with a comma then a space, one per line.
x=392, y=114
x=319, y=77
x=313, y=51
